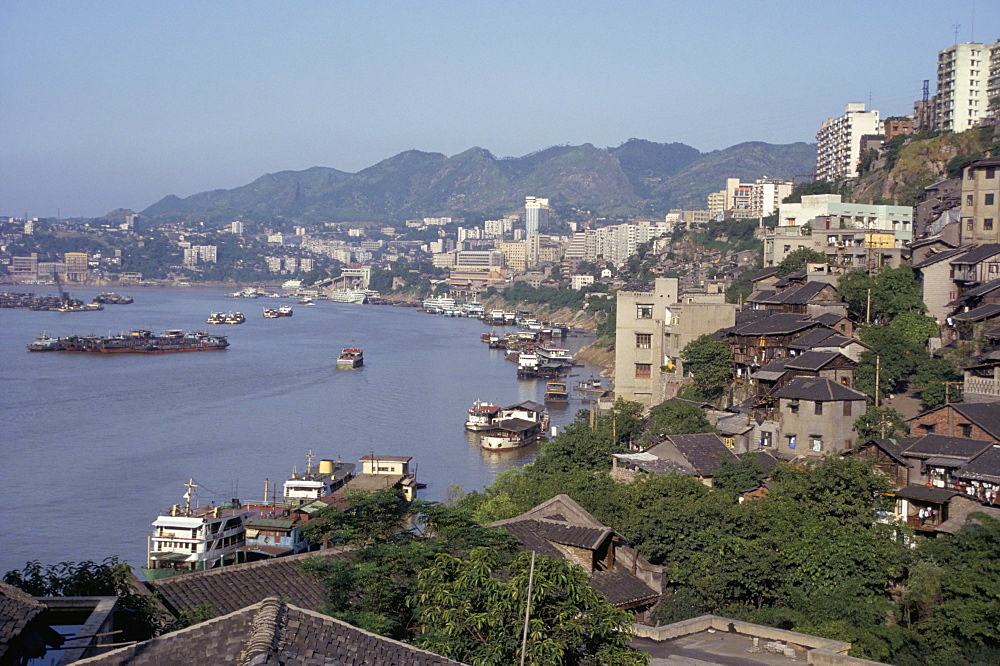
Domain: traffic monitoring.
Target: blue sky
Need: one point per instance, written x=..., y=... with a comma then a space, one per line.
x=116, y=104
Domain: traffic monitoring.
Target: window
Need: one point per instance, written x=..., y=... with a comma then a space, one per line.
x=791, y=441
x=644, y=311
x=968, y=224
x=927, y=428
x=643, y=340
x=816, y=443
x=991, y=173
x=989, y=199
x=643, y=369
x=793, y=407
x=966, y=429
x=988, y=224
x=819, y=408
x=968, y=199
x=766, y=439
x=847, y=404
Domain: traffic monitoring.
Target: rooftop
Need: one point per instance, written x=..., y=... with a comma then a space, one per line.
x=817, y=388
x=939, y=446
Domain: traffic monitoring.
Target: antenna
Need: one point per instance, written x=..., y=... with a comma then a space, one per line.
x=956, y=26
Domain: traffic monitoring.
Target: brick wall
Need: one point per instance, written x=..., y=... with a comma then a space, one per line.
x=947, y=421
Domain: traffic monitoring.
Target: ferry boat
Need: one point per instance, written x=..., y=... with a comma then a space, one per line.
x=556, y=392
x=235, y=318
x=216, y=318
x=483, y=416
x=195, y=539
x=285, y=311
x=356, y=297
x=518, y=426
x=320, y=480
x=270, y=313
x=111, y=298
x=144, y=342
x=352, y=357
x=44, y=343
x=306, y=301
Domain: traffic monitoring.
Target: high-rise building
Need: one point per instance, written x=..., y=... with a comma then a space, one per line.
x=993, y=81
x=839, y=140
x=236, y=227
x=536, y=215
x=962, y=76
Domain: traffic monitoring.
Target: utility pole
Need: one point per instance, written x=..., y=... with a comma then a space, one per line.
x=878, y=372
x=527, y=610
x=868, y=308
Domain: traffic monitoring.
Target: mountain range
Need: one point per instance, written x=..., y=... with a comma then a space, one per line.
x=638, y=177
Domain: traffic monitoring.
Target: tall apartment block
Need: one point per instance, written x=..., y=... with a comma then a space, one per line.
x=840, y=142
x=962, y=77
x=536, y=215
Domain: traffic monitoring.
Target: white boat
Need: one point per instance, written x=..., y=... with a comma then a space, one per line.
x=306, y=301
x=318, y=481
x=195, y=539
x=285, y=311
x=216, y=318
x=356, y=297
x=518, y=426
x=352, y=357
x=483, y=416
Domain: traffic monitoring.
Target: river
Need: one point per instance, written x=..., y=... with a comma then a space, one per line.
x=93, y=447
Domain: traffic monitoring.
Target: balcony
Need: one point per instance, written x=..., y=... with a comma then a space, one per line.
x=982, y=386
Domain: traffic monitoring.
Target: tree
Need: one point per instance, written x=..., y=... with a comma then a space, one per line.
x=896, y=357
x=896, y=290
x=914, y=327
x=737, y=476
x=881, y=423
x=797, y=259
x=676, y=417
x=710, y=363
x=853, y=289
x=471, y=609
x=935, y=379
x=370, y=517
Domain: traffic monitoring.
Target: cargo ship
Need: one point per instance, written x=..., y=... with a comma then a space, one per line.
x=135, y=342
x=352, y=357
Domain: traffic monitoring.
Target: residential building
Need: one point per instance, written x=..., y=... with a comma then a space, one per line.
x=498, y=228
x=749, y=200
x=24, y=267
x=236, y=227
x=897, y=125
x=963, y=74
x=200, y=253
x=817, y=416
x=700, y=456
x=619, y=242
x=514, y=256
x=972, y=420
x=716, y=203
x=536, y=215
x=652, y=330
x=77, y=266
x=847, y=215
x=580, y=281
x=848, y=248
x=839, y=141
x=980, y=221
x=993, y=81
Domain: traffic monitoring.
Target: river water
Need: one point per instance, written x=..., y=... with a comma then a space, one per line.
x=93, y=447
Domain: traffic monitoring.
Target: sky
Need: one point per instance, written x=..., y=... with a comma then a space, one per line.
x=116, y=104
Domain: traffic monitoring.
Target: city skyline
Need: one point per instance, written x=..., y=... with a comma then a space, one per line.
x=117, y=105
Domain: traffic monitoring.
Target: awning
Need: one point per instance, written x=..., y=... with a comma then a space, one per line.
x=943, y=461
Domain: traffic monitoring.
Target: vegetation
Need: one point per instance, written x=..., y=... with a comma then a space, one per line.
x=710, y=364
x=676, y=417
x=880, y=423
x=796, y=260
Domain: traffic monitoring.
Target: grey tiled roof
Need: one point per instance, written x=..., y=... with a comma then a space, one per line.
x=779, y=323
x=984, y=467
x=812, y=360
x=926, y=493
x=980, y=313
x=271, y=632
x=986, y=415
x=17, y=609
x=705, y=452
x=621, y=588
x=227, y=589
x=940, y=256
x=977, y=254
x=975, y=292
x=941, y=445
x=817, y=388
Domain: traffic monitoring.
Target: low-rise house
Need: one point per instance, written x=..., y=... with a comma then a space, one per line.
x=562, y=528
x=816, y=417
x=934, y=274
x=979, y=265
x=971, y=420
x=887, y=456
x=934, y=459
x=764, y=339
x=699, y=455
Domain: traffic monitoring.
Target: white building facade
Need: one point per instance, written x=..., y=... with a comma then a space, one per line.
x=962, y=83
x=839, y=139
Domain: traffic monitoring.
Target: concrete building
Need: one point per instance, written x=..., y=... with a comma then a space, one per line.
x=24, y=267
x=993, y=81
x=817, y=417
x=716, y=203
x=652, y=330
x=757, y=199
x=962, y=77
x=514, y=256
x=77, y=266
x=498, y=228
x=840, y=142
x=897, y=125
x=200, y=253
x=536, y=215
x=580, y=281
x=617, y=243
x=980, y=221
x=847, y=215
x=236, y=227
x=849, y=249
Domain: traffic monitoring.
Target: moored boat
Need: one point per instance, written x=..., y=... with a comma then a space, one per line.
x=352, y=357
x=216, y=318
x=44, y=343
x=235, y=318
x=111, y=298
x=347, y=296
x=517, y=426
x=556, y=392
x=285, y=311
x=483, y=416
x=270, y=313
x=143, y=342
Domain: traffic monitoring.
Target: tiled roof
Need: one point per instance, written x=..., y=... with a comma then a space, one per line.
x=778, y=323
x=926, y=493
x=813, y=338
x=977, y=254
x=621, y=588
x=940, y=256
x=980, y=313
x=975, y=292
x=829, y=318
x=17, y=609
x=941, y=445
x=227, y=589
x=984, y=467
x=803, y=294
x=705, y=452
x=762, y=273
x=986, y=415
x=271, y=632
x=817, y=388
x=813, y=360
x=766, y=460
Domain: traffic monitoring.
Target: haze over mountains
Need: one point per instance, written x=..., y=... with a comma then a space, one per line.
x=637, y=177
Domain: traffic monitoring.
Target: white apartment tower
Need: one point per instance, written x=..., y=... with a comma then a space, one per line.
x=840, y=142
x=963, y=76
x=536, y=215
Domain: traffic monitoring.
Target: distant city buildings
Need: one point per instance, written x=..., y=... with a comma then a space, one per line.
x=839, y=139
x=536, y=215
x=746, y=200
x=200, y=254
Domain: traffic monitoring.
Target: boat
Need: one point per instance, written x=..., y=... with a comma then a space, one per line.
x=111, y=298
x=352, y=357
x=270, y=313
x=144, y=342
x=188, y=539
x=556, y=392
x=483, y=416
x=320, y=480
x=79, y=307
x=306, y=301
x=235, y=318
x=517, y=426
x=285, y=311
x=216, y=318
x=345, y=296
x=44, y=343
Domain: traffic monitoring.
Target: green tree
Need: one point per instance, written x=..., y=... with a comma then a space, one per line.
x=471, y=609
x=676, y=417
x=896, y=357
x=937, y=381
x=853, y=288
x=896, y=291
x=369, y=517
x=880, y=423
x=737, y=476
x=710, y=363
x=796, y=260
x=914, y=327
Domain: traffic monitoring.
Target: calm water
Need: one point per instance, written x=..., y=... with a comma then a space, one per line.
x=93, y=447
